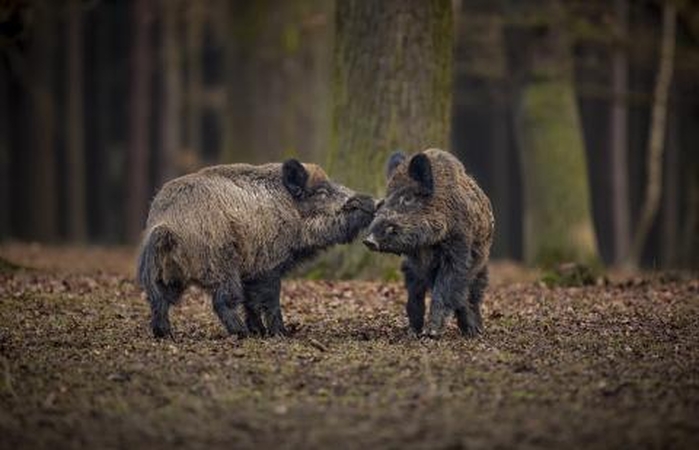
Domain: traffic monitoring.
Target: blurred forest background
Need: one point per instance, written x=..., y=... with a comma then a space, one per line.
x=580, y=119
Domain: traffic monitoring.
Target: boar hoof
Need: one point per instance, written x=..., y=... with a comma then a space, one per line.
x=431, y=333
x=471, y=331
x=279, y=332
x=160, y=332
x=411, y=333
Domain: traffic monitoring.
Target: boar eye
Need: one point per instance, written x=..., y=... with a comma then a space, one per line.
x=407, y=200
x=390, y=229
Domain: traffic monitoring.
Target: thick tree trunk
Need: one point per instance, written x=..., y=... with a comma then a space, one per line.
x=392, y=85
x=656, y=139
x=557, y=220
x=392, y=89
x=139, y=120
x=75, y=168
x=618, y=167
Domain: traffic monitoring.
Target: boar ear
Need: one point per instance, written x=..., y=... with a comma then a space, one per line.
x=294, y=176
x=420, y=170
x=394, y=161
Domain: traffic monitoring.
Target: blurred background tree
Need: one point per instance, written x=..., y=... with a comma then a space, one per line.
x=557, y=209
x=548, y=103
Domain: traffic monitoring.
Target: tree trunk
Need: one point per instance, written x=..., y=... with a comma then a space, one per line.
x=172, y=86
x=139, y=120
x=194, y=41
x=75, y=167
x=618, y=165
x=43, y=214
x=392, y=89
x=392, y=85
x=672, y=178
x=557, y=219
x=656, y=140
x=5, y=154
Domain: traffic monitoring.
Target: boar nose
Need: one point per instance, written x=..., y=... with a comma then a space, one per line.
x=361, y=202
x=371, y=243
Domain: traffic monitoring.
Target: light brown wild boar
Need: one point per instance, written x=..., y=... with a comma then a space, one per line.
x=435, y=214
x=235, y=230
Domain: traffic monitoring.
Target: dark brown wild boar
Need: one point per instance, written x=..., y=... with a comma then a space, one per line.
x=438, y=217
x=235, y=230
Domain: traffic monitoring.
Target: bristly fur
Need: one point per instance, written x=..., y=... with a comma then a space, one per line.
x=436, y=216
x=234, y=229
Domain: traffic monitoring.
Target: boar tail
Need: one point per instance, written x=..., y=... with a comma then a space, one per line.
x=156, y=258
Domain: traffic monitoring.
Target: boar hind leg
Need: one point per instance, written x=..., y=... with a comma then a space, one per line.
x=448, y=287
x=417, y=288
x=253, y=318
x=468, y=315
x=264, y=294
x=226, y=297
x=161, y=297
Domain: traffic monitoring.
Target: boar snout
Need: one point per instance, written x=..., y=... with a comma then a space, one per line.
x=371, y=243
x=360, y=202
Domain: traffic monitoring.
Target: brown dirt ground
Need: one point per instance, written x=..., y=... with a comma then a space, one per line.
x=609, y=366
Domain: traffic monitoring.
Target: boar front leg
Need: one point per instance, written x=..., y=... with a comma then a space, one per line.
x=416, y=285
x=263, y=296
x=449, y=294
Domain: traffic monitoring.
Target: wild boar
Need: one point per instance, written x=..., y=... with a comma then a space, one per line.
x=436, y=216
x=235, y=230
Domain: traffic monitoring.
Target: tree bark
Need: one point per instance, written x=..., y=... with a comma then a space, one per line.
x=670, y=229
x=172, y=86
x=194, y=40
x=392, y=89
x=392, y=85
x=75, y=168
x=43, y=214
x=5, y=155
x=618, y=167
x=139, y=120
x=558, y=223
x=656, y=140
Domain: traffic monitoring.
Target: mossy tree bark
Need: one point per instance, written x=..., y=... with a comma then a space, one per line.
x=558, y=222
x=392, y=85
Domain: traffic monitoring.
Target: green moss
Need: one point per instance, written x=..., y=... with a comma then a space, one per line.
x=558, y=220
x=291, y=39
x=571, y=275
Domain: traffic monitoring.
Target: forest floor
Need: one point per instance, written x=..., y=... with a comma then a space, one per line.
x=615, y=365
